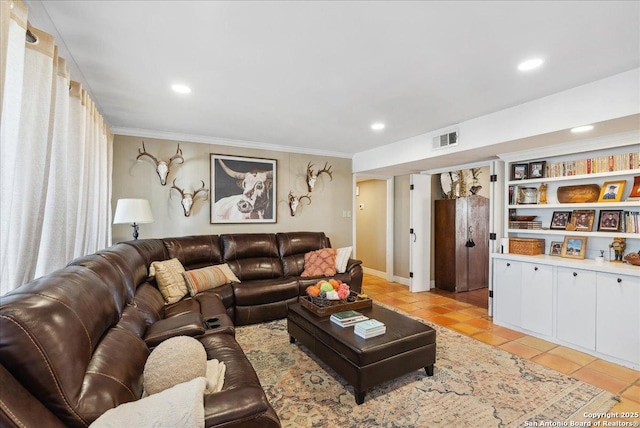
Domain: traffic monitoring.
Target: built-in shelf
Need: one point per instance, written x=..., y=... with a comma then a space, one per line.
x=575, y=233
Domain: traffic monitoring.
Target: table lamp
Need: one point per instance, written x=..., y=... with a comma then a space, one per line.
x=133, y=211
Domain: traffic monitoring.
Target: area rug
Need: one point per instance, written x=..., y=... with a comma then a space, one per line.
x=474, y=385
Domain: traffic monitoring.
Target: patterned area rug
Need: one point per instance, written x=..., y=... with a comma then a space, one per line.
x=474, y=385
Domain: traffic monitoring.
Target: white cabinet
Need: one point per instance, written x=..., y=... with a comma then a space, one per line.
x=507, y=294
x=537, y=298
x=576, y=307
x=618, y=317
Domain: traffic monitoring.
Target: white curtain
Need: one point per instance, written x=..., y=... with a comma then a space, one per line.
x=56, y=152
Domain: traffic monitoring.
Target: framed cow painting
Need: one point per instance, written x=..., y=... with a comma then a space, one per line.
x=243, y=190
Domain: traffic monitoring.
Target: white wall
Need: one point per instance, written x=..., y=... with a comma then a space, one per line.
x=138, y=179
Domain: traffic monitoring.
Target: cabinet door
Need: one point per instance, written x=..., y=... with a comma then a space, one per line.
x=618, y=324
x=507, y=295
x=576, y=308
x=537, y=298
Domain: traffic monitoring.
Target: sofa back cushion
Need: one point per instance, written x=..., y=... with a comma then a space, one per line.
x=252, y=255
x=76, y=363
x=150, y=249
x=195, y=251
x=293, y=246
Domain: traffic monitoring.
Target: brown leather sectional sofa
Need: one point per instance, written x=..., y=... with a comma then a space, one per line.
x=73, y=343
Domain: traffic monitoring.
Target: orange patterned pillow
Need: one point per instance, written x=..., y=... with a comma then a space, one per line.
x=320, y=263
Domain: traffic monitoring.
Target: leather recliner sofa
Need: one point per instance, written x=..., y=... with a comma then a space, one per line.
x=73, y=344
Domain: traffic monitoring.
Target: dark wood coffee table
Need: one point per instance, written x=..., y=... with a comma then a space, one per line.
x=407, y=345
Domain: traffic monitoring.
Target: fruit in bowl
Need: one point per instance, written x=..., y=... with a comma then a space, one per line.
x=332, y=289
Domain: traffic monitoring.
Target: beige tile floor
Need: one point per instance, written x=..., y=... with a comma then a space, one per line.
x=474, y=321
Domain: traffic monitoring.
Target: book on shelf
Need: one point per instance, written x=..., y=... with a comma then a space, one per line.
x=370, y=328
x=347, y=318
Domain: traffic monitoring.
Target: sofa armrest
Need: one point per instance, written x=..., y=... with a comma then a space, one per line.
x=354, y=268
x=186, y=324
x=244, y=406
x=18, y=408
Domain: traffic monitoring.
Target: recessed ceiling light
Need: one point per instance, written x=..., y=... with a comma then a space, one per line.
x=377, y=126
x=181, y=89
x=584, y=128
x=530, y=64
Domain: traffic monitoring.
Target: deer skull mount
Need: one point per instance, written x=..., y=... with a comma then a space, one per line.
x=162, y=166
x=187, y=198
x=313, y=176
x=294, y=202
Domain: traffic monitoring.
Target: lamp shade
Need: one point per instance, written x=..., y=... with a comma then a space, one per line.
x=133, y=211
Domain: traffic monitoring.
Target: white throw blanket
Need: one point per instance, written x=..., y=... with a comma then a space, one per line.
x=179, y=406
x=215, y=376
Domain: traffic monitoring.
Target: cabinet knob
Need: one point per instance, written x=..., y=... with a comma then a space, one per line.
x=619, y=280
x=575, y=274
x=535, y=268
x=508, y=264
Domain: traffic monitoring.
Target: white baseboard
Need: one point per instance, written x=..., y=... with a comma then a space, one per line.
x=374, y=272
x=401, y=280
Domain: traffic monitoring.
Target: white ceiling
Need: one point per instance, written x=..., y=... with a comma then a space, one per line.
x=312, y=76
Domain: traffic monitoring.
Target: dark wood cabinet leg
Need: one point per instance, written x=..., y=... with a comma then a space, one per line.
x=359, y=396
x=292, y=339
x=429, y=370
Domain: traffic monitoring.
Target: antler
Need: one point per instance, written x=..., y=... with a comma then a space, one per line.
x=202, y=189
x=144, y=152
x=179, y=189
x=178, y=155
x=326, y=170
x=305, y=197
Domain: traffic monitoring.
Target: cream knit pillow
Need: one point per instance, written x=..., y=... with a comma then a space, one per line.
x=170, y=280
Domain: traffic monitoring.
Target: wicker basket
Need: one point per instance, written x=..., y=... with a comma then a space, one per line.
x=526, y=246
x=332, y=306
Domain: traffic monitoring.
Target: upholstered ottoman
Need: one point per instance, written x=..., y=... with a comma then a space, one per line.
x=406, y=346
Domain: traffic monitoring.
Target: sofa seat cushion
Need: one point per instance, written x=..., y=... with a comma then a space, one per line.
x=265, y=291
x=187, y=305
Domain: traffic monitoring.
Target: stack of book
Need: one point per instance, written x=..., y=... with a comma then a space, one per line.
x=369, y=328
x=513, y=224
x=347, y=318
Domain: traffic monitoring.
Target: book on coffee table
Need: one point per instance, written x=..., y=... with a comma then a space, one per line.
x=347, y=318
x=369, y=328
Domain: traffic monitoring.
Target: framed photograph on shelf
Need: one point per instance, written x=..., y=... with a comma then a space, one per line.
x=610, y=220
x=556, y=248
x=574, y=247
x=519, y=171
x=611, y=191
x=243, y=190
x=582, y=220
x=537, y=169
x=559, y=220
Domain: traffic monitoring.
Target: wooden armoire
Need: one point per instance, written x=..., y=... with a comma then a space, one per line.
x=461, y=247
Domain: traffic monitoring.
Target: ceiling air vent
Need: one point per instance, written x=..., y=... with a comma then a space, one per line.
x=445, y=140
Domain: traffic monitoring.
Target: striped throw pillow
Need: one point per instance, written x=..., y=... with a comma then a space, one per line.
x=342, y=258
x=199, y=280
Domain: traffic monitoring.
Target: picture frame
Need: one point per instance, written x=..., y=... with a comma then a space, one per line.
x=556, y=248
x=519, y=171
x=537, y=169
x=560, y=219
x=635, y=190
x=574, y=247
x=581, y=220
x=610, y=220
x=611, y=191
x=243, y=189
